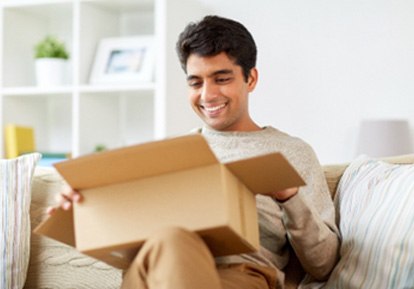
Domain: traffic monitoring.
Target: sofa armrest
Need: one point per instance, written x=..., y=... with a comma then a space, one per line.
x=333, y=173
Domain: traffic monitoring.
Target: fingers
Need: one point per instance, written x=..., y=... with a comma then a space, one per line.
x=51, y=210
x=68, y=195
x=71, y=195
x=65, y=200
x=285, y=194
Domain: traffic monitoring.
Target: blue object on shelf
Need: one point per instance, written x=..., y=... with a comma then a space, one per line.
x=48, y=162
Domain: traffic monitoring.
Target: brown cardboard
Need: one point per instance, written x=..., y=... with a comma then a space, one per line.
x=132, y=192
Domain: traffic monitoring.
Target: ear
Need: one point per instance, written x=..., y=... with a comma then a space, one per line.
x=252, y=80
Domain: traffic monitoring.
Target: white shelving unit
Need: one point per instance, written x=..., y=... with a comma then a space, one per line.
x=79, y=116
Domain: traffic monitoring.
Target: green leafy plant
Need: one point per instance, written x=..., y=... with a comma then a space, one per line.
x=100, y=148
x=51, y=47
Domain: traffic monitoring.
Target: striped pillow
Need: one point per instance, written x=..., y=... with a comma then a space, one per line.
x=375, y=202
x=15, y=197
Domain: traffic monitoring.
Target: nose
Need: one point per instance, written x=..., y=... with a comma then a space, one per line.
x=209, y=92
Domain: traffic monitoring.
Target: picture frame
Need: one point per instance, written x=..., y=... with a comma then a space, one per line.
x=124, y=60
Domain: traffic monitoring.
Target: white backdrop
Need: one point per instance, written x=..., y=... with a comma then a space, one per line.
x=327, y=64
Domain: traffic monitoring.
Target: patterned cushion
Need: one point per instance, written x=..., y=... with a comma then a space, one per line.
x=16, y=175
x=375, y=202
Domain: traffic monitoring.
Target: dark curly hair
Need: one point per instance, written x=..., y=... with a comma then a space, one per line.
x=213, y=35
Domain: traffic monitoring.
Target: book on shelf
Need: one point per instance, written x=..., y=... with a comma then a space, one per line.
x=20, y=140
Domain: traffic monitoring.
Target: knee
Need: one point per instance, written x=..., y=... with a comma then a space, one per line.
x=163, y=242
x=171, y=241
x=170, y=246
x=171, y=235
x=174, y=240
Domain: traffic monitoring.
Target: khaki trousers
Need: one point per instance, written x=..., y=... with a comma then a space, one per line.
x=178, y=259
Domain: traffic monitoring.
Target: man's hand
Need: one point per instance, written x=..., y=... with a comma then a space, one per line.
x=284, y=195
x=65, y=200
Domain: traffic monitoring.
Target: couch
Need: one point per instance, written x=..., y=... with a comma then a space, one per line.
x=54, y=265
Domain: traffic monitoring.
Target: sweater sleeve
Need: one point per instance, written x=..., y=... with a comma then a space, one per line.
x=309, y=219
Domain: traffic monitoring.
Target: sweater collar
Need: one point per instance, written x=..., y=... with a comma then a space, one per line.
x=209, y=131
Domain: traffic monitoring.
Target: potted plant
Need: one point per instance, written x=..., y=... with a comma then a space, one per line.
x=51, y=62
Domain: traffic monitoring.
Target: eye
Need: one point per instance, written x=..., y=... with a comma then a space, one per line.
x=194, y=83
x=223, y=80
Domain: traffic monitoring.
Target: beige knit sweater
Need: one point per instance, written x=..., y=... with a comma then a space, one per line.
x=306, y=221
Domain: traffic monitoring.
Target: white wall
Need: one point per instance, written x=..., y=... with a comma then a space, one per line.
x=326, y=64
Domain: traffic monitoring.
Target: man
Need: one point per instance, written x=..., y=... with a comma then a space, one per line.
x=218, y=56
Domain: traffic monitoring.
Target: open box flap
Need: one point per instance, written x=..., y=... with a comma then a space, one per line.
x=59, y=227
x=266, y=173
x=135, y=162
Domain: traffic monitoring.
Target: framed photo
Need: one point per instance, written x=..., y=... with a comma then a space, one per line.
x=126, y=60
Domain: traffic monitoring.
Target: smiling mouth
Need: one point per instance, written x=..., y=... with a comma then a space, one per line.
x=213, y=109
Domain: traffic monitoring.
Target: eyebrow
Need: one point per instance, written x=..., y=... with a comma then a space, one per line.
x=215, y=73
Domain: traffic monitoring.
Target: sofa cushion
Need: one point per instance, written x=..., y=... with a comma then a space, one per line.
x=56, y=265
x=375, y=202
x=15, y=177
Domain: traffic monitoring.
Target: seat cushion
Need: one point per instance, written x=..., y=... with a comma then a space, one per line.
x=56, y=265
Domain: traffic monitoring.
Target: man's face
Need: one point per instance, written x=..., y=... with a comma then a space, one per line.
x=219, y=93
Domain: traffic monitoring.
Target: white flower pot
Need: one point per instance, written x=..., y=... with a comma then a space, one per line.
x=51, y=71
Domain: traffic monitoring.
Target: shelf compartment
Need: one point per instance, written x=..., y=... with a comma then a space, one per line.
x=26, y=26
x=49, y=115
x=106, y=19
x=115, y=119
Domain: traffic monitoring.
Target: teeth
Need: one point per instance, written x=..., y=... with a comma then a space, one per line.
x=215, y=108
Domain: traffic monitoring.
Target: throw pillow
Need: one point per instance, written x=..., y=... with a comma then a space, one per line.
x=375, y=202
x=15, y=197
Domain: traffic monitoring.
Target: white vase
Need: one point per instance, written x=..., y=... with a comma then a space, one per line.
x=51, y=71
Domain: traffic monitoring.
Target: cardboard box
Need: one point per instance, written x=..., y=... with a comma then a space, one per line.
x=131, y=192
